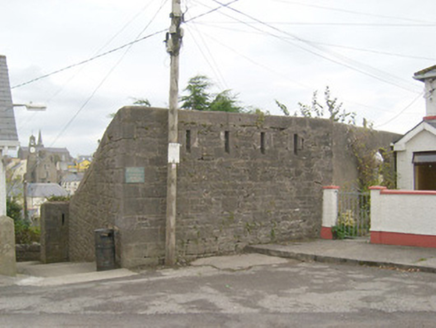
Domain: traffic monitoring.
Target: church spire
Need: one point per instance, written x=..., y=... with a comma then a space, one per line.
x=40, y=144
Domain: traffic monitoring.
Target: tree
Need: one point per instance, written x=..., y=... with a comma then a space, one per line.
x=282, y=107
x=142, y=102
x=330, y=109
x=225, y=102
x=198, y=98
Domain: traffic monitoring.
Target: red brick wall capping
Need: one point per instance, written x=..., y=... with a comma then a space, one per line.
x=377, y=188
x=429, y=118
x=408, y=192
x=330, y=187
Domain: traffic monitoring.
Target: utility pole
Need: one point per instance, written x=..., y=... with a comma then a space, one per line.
x=173, y=42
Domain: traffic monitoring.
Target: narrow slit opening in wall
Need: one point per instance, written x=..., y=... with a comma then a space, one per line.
x=63, y=219
x=295, y=144
x=262, y=142
x=188, y=141
x=227, y=141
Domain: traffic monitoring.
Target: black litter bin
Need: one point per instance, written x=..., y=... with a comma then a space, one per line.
x=104, y=249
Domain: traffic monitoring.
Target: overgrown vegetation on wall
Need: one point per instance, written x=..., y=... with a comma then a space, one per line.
x=24, y=233
x=374, y=166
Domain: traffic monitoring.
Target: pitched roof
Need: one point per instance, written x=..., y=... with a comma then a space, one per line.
x=45, y=190
x=430, y=127
x=426, y=73
x=8, y=129
x=73, y=177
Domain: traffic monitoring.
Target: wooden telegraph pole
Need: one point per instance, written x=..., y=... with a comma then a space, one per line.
x=173, y=41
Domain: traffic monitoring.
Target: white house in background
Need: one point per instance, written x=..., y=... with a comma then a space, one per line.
x=416, y=150
x=38, y=193
x=71, y=182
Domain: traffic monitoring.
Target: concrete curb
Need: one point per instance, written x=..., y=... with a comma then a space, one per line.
x=305, y=257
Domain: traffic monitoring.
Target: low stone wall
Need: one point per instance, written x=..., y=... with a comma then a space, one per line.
x=26, y=253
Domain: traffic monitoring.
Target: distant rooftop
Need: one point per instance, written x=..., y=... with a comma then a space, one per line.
x=73, y=177
x=8, y=129
x=45, y=190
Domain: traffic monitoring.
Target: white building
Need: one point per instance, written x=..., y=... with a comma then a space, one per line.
x=8, y=130
x=71, y=182
x=38, y=193
x=416, y=150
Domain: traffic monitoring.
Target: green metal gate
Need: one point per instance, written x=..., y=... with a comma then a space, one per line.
x=354, y=218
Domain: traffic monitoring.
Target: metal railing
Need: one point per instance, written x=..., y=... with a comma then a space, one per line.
x=354, y=219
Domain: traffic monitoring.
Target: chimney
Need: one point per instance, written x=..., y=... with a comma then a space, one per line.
x=428, y=76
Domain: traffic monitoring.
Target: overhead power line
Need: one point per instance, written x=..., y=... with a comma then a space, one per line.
x=401, y=112
x=114, y=49
x=330, y=56
x=106, y=76
x=349, y=11
x=88, y=60
x=379, y=52
x=339, y=24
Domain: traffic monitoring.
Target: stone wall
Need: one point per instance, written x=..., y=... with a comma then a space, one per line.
x=54, y=232
x=8, y=265
x=243, y=179
x=28, y=252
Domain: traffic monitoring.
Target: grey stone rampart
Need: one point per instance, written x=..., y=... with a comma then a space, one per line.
x=243, y=179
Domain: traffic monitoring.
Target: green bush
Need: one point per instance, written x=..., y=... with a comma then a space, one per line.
x=24, y=233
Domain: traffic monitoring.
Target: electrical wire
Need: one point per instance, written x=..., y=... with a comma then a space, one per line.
x=213, y=66
x=89, y=59
x=113, y=50
x=348, y=11
x=401, y=112
x=286, y=76
x=339, y=24
x=340, y=59
x=378, y=52
x=30, y=119
x=106, y=77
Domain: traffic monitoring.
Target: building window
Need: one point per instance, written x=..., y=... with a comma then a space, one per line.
x=425, y=170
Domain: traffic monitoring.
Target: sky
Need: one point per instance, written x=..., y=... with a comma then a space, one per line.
x=84, y=69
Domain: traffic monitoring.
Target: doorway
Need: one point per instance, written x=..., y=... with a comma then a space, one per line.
x=425, y=170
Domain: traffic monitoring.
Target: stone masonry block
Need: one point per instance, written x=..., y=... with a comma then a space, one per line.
x=8, y=266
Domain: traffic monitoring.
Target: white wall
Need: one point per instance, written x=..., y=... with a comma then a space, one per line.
x=423, y=141
x=403, y=212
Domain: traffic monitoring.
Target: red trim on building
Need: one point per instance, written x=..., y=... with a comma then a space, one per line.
x=377, y=188
x=330, y=187
x=326, y=233
x=408, y=192
x=402, y=239
x=386, y=191
x=429, y=118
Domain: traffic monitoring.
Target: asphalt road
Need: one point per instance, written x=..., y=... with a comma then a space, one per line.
x=284, y=293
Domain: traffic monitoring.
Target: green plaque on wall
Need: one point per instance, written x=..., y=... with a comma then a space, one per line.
x=135, y=175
